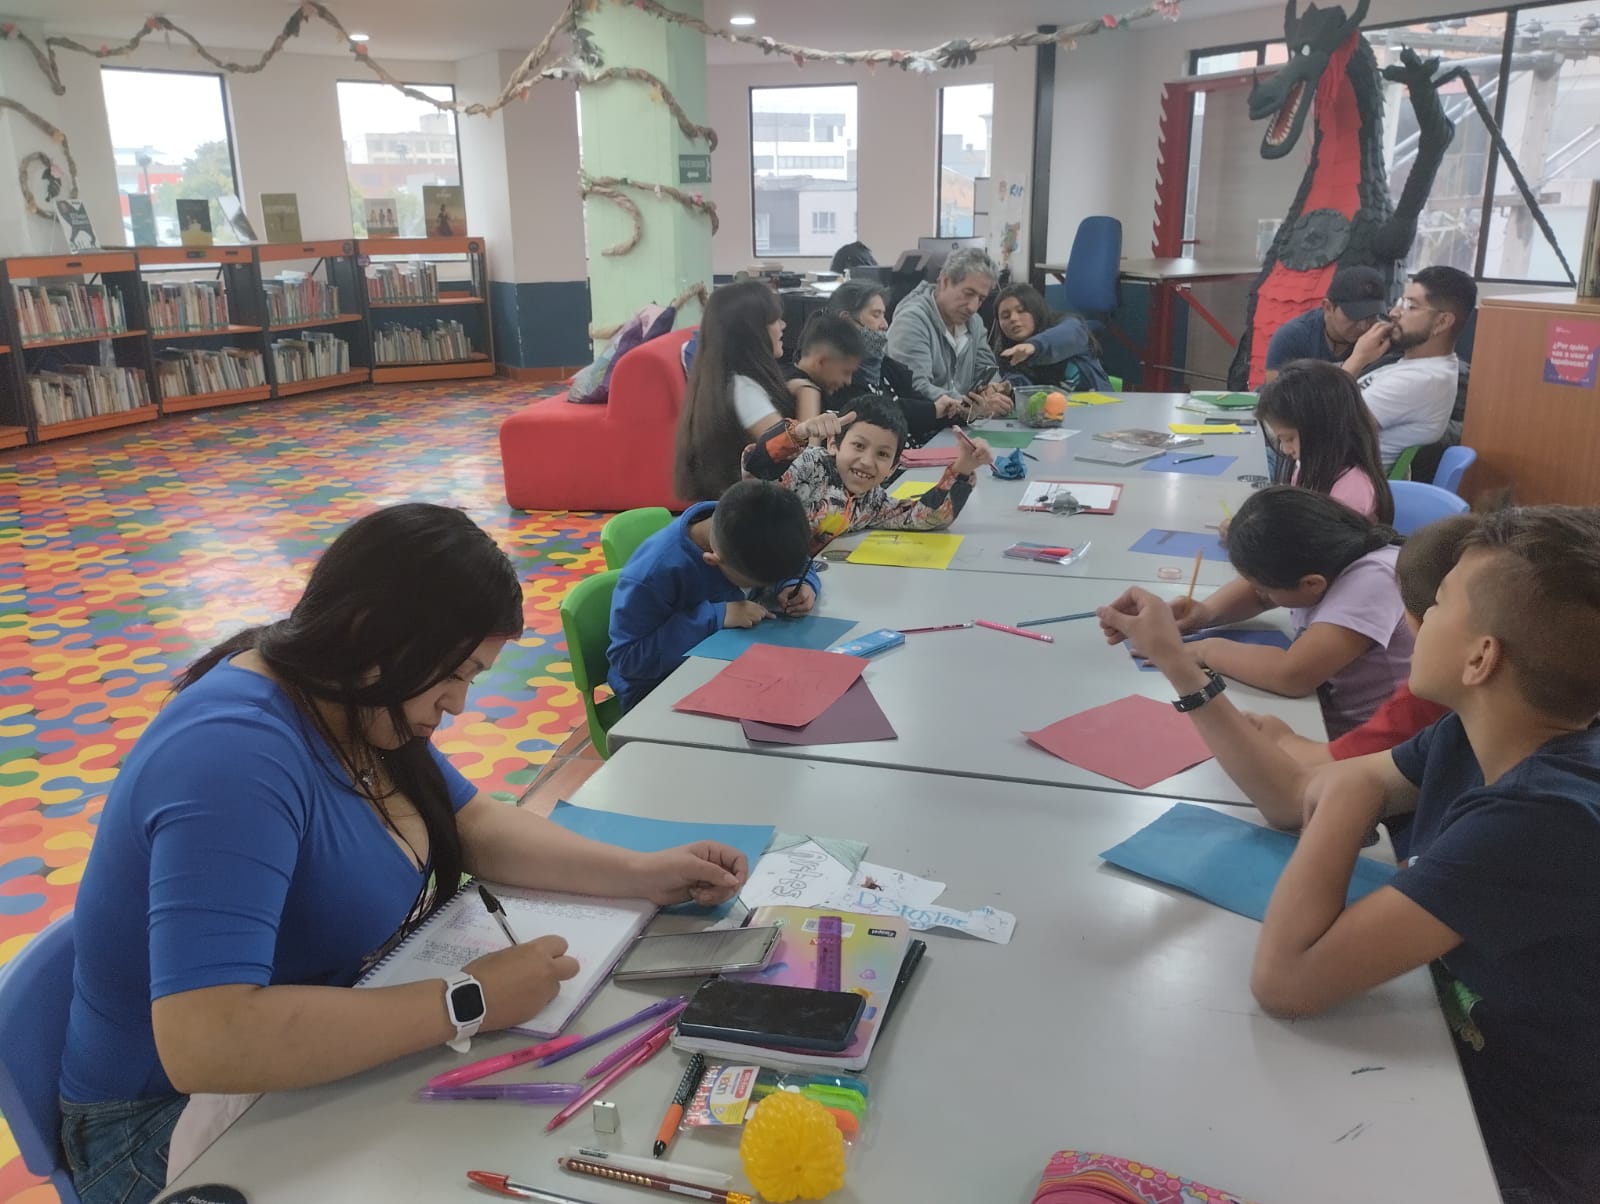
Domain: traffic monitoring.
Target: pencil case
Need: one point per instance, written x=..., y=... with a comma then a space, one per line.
x=1075, y=1177
x=873, y=642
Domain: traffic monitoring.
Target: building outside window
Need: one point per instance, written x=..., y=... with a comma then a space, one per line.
x=966, y=128
x=803, y=169
x=393, y=145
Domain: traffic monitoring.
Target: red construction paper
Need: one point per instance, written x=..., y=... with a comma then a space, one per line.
x=928, y=457
x=855, y=718
x=1136, y=740
x=771, y=684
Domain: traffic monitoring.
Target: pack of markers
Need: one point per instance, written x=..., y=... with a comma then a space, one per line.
x=729, y=1095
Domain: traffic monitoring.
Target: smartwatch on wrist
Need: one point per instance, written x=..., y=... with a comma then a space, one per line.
x=463, y=1003
x=1193, y=702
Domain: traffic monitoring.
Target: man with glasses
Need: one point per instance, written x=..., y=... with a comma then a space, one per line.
x=1412, y=398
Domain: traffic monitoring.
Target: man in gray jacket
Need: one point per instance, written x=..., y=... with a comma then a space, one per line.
x=938, y=335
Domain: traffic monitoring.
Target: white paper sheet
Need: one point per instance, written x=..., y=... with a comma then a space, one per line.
x=802, y=875
x=986, y=923
x=1091, y=494
x=1054, y=433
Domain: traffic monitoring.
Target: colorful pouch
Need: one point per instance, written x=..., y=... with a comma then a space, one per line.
x=1074, y=1177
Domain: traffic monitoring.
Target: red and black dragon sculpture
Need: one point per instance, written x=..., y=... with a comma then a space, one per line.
x=1342, y=215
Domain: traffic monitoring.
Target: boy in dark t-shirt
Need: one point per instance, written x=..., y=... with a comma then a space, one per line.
x=1502, y=888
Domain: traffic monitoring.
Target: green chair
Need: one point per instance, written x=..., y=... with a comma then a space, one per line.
x=1116, y=383
x=1400, y=472
x=623, y=533
x=586, y=622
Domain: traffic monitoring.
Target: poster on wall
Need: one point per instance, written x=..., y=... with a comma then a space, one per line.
x=1572, y=352
x=194, y=222
x=75, y=224
x=445, y=210
x=142, y=217
x=280, y=216
x=383, y=219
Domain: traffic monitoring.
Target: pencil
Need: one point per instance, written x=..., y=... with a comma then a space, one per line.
x=1082, y=614
x=1226, y=512
x=1199, y=554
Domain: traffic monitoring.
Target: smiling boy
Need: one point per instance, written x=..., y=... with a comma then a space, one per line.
x=840, y=484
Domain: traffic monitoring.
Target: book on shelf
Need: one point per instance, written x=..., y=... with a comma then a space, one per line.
x=142, y=216
x=311, y=355
x=233, y=210
x=1589, y=263
x=192, y=371
x=299, y=297
x=194, y=222
x=444, y=208
x=86, y=391
x=187, y=305
x=280, y=216
x=391, y=282
x=441, y=342
x=77, y=227
x=67, y=308
x=383, y=220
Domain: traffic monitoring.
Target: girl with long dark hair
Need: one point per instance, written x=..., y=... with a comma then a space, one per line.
x=736, y=389
x=284, y=820
x=1326, y=437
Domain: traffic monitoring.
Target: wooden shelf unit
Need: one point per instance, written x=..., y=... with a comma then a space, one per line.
x=235, y=270
x=465, y=298
x=206, y=401
x=333, y=261
x=356, y=376
x=100, y=422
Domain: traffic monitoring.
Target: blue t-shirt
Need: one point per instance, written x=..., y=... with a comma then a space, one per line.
x=1302, y=338
x=1514, y=868
x=232, y=849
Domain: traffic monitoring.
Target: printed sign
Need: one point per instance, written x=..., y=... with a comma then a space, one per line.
x=1572, y=354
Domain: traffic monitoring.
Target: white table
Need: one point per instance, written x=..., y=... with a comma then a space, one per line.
x=1119, y=1019
x=960, y=700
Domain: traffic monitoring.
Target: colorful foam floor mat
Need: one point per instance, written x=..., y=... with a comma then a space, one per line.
x=124, y=555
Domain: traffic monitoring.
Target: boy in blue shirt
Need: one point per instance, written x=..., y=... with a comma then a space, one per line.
x=1501, y=892
x=716, y=566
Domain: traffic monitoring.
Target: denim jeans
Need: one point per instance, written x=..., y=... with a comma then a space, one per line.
x=117, y=1149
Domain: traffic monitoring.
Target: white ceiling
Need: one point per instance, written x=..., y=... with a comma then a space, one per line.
x=422, y=29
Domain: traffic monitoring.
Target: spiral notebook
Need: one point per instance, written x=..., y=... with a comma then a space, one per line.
x=596, y=931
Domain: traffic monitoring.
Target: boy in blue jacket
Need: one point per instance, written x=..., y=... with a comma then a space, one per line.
x=718, y=565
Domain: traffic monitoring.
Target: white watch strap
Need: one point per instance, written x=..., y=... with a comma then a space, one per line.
x=465, y=1030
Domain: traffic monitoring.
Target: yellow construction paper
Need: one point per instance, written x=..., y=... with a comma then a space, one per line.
x=1092, y=399
x=907, y=549
x=911, y=488
x=1195, y=428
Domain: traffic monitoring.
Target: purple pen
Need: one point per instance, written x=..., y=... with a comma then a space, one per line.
x=522, y=1093
x=632, y=1047
x=649, y=1013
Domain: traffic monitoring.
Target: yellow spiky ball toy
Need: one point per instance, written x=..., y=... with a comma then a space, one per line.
x=792, y=1150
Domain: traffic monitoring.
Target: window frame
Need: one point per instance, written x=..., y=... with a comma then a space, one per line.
x=1513, y=14
x=227, y=116
x=938, y=172
x=461, y=171
x=750, y=134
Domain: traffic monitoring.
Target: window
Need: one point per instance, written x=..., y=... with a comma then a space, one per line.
x=966, y=120
x=170, y=138
x=1538, y=70
x=804, y=201
x=393, y=145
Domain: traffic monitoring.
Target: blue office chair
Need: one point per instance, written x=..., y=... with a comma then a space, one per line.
x=1452, y=466
x=1416, y=505
x=35, y=988
x=1093, y=269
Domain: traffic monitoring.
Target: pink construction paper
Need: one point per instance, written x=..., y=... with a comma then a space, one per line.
x=856, y=717
x=772, y=684
x=1136, y=740
x=928, y=457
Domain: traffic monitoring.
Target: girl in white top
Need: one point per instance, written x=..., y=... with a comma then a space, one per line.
x=736, y=389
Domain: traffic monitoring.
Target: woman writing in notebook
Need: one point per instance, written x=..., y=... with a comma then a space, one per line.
x=283, y=821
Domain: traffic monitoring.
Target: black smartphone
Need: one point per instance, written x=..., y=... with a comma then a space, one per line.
x=759, y=1013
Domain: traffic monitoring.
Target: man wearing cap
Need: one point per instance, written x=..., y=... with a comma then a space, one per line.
x=1354, y=300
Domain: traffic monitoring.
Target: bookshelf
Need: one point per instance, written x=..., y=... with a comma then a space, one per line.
x=80, y=359
x=204, y=306
x=314, y=311
x=427, y=302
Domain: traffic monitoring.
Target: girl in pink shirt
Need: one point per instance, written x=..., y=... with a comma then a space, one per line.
x=1327, y=439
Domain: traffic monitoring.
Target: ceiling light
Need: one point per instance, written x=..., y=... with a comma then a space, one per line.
x=361, y=37
x=742, y=19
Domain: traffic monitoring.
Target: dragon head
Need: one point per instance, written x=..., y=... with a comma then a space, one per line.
x=1286, y=97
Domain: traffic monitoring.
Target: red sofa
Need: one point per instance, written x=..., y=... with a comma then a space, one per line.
x=617, y=456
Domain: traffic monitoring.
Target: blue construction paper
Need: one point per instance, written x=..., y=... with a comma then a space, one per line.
x=807, y=631
x=1239, y=635
x=644, y=835
x=1182, y=544
x=1224, y=860
x=1172, y=462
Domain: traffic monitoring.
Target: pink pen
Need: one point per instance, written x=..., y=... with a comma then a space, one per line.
x=657, y=1043
x=473, y=1071
x=634, y=1046
x=1032, y=635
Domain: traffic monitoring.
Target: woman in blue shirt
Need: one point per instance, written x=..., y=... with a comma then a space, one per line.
x=282, y=822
